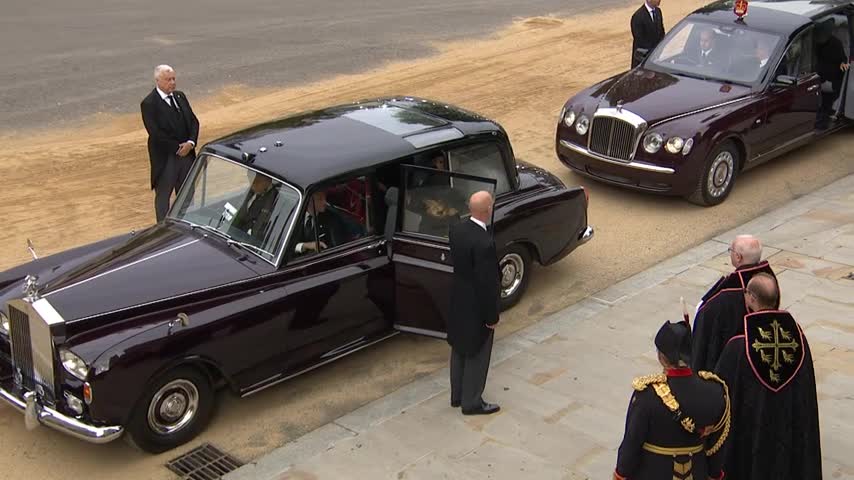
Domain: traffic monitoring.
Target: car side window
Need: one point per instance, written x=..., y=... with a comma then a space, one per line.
x=798, y=59
x=335, y=215
x=481, y=160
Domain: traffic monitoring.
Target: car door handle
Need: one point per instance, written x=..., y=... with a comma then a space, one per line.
x=812, y=88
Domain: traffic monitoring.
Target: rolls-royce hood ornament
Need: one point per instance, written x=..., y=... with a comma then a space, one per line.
x=619, y=106
x=31, y=287
x=32, y=249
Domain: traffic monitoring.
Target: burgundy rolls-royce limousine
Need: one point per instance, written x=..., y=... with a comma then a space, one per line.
x=724, y=91
x=291, y=244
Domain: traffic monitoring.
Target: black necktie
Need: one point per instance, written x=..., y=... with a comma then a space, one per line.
x=174, y=103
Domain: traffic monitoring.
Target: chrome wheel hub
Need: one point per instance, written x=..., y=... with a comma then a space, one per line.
x=173, y=407
x=512, y=272
x=720, y=174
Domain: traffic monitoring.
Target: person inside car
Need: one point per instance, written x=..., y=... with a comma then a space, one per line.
x=253, y=217
x=326, y=226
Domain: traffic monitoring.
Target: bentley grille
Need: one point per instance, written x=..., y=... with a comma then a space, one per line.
x=613, y=138
x=32, y=352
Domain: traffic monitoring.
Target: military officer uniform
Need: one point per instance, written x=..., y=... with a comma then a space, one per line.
x=677, y=421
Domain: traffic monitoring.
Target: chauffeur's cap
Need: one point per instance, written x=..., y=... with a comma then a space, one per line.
x=673, y=340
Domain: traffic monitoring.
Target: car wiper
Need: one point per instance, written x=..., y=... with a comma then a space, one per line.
x=228, y=240
x=692, y=75
x=248, y=246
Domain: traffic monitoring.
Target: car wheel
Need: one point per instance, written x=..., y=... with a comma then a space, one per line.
x=719, y=174
x=173, y=410
x=515, y=269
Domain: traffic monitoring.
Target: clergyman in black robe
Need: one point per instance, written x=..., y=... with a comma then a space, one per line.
x=677, y=421
x=769, y=371
x=719, y=316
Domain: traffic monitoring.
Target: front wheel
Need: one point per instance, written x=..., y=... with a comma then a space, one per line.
x=173, y=410
x=515, y=270
x=718, y=175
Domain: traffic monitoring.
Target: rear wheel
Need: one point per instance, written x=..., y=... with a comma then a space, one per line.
x=174, y=409
x=515, y=269
x=718, y=176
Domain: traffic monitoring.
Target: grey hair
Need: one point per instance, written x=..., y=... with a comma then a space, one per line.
x=160, y=69
x=749, y=247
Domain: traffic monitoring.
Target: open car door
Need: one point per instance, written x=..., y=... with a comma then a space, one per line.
x=427, y=205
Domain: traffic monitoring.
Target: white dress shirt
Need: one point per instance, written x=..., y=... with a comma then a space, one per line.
x=651, y=11
x=482, y=225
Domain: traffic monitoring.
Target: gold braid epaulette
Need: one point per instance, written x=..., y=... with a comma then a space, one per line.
x=725, y=421
x=662, y=389
x=640, y=383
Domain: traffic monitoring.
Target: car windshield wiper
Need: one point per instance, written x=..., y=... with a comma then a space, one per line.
x=248, y=246
x=234, y=244
x=691, y=75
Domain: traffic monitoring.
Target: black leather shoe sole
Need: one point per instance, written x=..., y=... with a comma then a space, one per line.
x=487, y=409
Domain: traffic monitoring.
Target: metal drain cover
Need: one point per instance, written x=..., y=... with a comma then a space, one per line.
x=205, y=462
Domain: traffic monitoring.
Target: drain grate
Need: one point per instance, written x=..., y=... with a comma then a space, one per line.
x=205, y=462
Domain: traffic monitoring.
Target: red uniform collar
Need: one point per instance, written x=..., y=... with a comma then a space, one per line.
x=678, y=372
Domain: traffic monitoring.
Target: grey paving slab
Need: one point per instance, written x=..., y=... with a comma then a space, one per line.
x=564, y=383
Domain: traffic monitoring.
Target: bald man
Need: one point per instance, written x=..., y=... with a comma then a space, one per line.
x=769, y=371
x=719, y=316
x=474, y=306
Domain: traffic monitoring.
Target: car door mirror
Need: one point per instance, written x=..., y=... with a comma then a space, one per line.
x=392, y=198
x=640, y=54
x=785, y=81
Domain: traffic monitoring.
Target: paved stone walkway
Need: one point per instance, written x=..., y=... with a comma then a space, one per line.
x=564, y=383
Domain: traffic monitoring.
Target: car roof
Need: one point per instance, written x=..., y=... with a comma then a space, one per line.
x=311, y=147
x=778, y=16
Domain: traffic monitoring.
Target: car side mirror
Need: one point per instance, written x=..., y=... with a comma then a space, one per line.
x=392, y=200
x=785, y=81
x=640, y=54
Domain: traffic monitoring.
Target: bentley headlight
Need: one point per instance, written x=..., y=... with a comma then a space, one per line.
x=4, y=324
x=582, y=125
x=74, y=364
x=688, y=145
x=569, y=118
x=674, y=144
x=652, y=142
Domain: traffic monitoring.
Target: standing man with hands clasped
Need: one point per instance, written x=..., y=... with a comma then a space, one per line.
x=474, y=306
x=173, y=131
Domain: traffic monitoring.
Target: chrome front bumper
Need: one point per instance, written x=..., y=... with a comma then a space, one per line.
x=586, y=235
x=36, y=414
x=636, y=165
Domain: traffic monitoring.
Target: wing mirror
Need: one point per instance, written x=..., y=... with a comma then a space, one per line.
x=785, y=81
x=640, y=54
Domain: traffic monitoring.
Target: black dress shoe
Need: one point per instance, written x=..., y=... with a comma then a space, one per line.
x=483, y=409
x=455, y=404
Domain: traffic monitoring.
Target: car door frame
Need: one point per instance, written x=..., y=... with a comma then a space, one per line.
x=423, y=269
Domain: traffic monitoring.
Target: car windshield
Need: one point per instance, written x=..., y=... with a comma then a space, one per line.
x=246, y=208
x=729, y=53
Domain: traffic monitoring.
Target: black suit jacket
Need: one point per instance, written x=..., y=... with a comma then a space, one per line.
x=645, y=33
x=256, y=217
x=475, y=293
x=164, y=130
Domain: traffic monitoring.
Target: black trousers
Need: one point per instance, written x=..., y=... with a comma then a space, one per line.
x=169, y=181
x=468, y=375
x=826, y=108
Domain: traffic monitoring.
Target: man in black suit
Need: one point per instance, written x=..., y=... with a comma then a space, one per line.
x=474, y=306
x=173, y=131
x=647, y=29
x=325, y=226
x=253, y=218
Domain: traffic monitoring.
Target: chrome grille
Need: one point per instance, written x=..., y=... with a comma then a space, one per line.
x=613, y=138
x=32, y=350
x=22, y=348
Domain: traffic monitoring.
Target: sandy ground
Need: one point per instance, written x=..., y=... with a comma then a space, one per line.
x=65, y=188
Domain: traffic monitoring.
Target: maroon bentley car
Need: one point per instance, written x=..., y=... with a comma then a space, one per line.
x=291, y=244
x=720, y=94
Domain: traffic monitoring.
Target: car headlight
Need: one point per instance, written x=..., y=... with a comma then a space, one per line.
x=4, y=324
x=569, y=118
x=582, y=125
x=652, y=142
x=688, y=145
x=74, y=364
x=674, y=144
